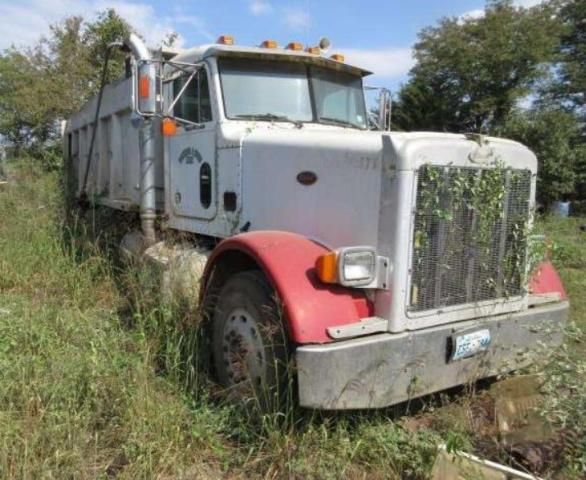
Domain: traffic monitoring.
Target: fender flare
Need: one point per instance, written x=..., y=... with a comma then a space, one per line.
x=545, y=279
x=288, y=261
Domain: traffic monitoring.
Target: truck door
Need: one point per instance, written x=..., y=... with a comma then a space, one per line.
x=191, y=152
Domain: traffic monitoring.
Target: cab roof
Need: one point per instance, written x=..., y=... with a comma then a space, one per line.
x=199, y=54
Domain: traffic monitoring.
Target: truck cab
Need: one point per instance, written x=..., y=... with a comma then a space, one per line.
x=242, y=99
x=394, y=264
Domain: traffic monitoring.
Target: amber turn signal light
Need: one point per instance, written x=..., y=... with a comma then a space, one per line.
x=313, y=50
x=169, y=127
x=327, y=267
x=337, y=57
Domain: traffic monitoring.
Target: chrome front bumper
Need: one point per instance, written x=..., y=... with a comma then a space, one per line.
x=386, y=369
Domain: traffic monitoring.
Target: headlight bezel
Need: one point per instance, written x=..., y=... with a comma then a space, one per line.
x=335, y=267
x=351, y=260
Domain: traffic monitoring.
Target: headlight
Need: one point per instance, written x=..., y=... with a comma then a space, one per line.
x=353, y=267
x=357, y=266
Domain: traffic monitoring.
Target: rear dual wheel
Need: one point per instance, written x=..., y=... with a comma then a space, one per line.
x=250, y=346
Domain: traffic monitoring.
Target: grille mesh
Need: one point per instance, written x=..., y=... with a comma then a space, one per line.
x=469, y=241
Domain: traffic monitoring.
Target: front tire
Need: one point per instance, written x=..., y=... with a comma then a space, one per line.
x=250, y=344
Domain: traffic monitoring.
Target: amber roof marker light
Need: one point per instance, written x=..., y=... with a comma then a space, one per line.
x=269, y=44
x=296, y=46
x=321, y=48
x=225, y=40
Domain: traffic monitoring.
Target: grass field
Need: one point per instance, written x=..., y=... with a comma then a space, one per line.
x=93, y=384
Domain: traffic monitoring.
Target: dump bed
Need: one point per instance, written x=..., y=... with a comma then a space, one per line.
x=114, y=170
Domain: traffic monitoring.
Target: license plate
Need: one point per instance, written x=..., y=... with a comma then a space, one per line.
x=469, y=344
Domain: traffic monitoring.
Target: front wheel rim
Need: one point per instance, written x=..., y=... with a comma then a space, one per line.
x=243, y=352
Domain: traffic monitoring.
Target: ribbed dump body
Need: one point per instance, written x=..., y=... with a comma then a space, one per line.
x=469, y=239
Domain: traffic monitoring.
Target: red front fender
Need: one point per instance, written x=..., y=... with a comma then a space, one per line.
x=288, y=261
x=545, y=279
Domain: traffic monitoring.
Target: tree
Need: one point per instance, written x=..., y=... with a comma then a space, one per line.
x=569, y=85
x=420, y=107
x=23, y=97
x=471, y=72
x=171, y=39
x=42, y=85
x=108, y=28
x=554, y=136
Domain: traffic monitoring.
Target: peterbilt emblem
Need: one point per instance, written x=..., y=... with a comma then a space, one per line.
x=306, y=177
x=188, y=155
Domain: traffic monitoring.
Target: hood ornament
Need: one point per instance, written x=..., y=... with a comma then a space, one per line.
x=483, y=152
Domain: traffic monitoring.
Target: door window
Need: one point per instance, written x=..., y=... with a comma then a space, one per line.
x=194, y=104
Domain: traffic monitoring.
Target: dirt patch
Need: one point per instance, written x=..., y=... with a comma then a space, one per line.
x=503, y=425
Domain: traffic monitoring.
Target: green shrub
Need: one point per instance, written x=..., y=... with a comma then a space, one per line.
x=554, y=136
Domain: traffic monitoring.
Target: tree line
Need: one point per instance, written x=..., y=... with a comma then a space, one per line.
x=512, y=71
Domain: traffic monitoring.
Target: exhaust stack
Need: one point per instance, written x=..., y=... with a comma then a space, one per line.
x=145, y=104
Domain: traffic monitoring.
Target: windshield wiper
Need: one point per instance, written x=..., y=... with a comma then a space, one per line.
x=270, y=116
x=339, y=121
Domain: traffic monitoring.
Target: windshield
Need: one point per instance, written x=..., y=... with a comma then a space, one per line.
x=288, y=91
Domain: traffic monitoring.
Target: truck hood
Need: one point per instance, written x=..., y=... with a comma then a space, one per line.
x=339, y=208
x=404, y=146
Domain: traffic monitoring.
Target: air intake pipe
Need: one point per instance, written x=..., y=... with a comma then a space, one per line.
x=145, y=104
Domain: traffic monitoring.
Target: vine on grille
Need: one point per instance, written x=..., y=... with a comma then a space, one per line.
x=471, y=234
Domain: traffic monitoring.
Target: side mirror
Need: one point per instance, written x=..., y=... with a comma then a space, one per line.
x=384, y=110
x=379, y=116
x=146, y=87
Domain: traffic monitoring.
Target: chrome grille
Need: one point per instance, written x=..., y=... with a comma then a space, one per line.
x=469, y=238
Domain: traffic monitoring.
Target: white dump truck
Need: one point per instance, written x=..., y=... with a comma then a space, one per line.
x=381, y=265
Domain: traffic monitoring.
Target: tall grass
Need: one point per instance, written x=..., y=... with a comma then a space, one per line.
x=79, y=396
x=102, y=377
x=565, y=373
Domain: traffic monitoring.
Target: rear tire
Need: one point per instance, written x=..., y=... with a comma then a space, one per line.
x=250, y=345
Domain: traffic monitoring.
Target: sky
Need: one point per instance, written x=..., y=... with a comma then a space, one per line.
x=374, y=34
